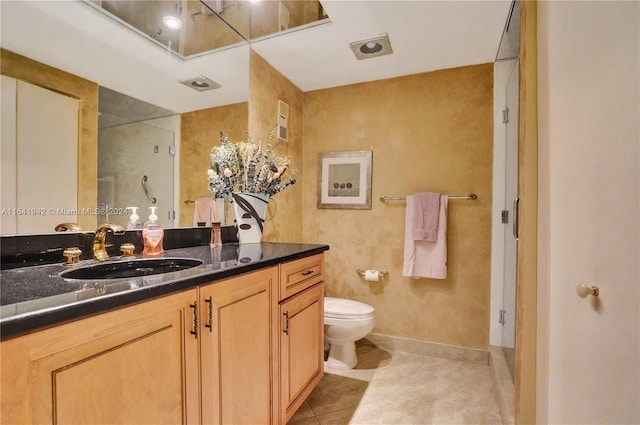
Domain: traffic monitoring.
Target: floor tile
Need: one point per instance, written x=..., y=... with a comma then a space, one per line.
x=303, y=412
x=399, y=388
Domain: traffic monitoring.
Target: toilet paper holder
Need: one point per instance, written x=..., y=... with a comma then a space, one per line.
x=381, y=273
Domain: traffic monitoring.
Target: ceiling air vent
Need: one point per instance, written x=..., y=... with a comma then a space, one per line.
x=201, y=83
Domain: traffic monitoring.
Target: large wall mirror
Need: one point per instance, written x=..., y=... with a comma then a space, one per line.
x=141, y=79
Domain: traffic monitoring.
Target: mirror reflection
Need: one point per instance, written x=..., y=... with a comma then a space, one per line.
x=147, y=123
x=192, y=27
x=186, y=27
x=131, y=129
x=270, y=18
x=126, y=147
x=36, y=193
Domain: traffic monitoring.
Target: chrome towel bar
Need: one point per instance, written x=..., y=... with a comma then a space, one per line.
x=469, y=197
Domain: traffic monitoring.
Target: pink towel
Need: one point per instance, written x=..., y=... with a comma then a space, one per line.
x=202, y=212
x=425, y=211
x=424, y=259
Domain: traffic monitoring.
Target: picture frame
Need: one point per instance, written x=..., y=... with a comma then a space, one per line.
x=344, y=180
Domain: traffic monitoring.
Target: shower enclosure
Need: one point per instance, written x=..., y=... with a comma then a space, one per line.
x=504, y=242
x=136, y=159
x=507, y=314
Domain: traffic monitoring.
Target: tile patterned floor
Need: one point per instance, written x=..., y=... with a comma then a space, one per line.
x=402, y=389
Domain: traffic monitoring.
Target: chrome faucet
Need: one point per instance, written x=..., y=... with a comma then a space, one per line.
x=99, y=248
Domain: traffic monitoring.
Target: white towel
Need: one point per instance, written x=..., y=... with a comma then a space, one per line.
x=424, y=259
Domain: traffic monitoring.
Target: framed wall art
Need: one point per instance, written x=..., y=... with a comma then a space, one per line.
x=344, y=180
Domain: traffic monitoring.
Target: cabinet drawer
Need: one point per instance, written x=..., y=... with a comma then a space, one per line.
x=298, y=275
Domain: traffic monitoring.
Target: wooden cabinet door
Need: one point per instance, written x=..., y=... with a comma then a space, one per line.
x=136, y=365
x=236, y=345
x=301, y=348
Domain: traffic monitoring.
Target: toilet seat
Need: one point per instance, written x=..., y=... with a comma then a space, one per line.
x=340, y=308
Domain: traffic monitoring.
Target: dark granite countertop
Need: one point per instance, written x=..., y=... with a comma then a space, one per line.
x=33, y=298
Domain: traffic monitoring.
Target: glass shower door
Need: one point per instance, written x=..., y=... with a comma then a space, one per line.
x=508, y=313
x=136, y=169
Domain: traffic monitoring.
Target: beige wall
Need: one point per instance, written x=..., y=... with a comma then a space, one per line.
x=428, y=132
x=86, y=91
x=199, y=132
x=267, y=85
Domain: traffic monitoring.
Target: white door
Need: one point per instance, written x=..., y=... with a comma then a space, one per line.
x=39, y=158
x=8, y=160
x=47, y=124
x=589, y=134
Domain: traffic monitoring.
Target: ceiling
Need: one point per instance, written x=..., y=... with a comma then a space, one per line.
x=425, y=36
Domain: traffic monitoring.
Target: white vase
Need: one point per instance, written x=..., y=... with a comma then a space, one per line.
x=249, y=210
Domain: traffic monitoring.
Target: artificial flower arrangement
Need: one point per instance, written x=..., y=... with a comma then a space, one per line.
x=247, y=167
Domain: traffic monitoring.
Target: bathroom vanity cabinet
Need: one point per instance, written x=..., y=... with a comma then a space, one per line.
x=301, y=338
x=247, y=349
x=138, y=364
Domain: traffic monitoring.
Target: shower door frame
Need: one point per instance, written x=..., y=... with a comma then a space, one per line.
x=505, y=183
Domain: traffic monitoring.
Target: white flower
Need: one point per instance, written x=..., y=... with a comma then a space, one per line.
x=248, y=167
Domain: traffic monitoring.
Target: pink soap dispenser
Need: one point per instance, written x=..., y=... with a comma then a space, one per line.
x=152, y=236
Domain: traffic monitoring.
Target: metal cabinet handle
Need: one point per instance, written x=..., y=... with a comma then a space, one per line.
x=286, y=322
x=516, y=217
x=209, y=324
x=194, y=331
x=308, y=272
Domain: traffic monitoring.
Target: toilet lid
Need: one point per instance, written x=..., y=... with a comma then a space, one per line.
x=340, y=308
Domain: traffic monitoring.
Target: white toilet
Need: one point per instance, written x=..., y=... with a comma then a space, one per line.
x=345, y=322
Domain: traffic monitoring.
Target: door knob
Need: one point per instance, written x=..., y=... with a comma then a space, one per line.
x=585, y=290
